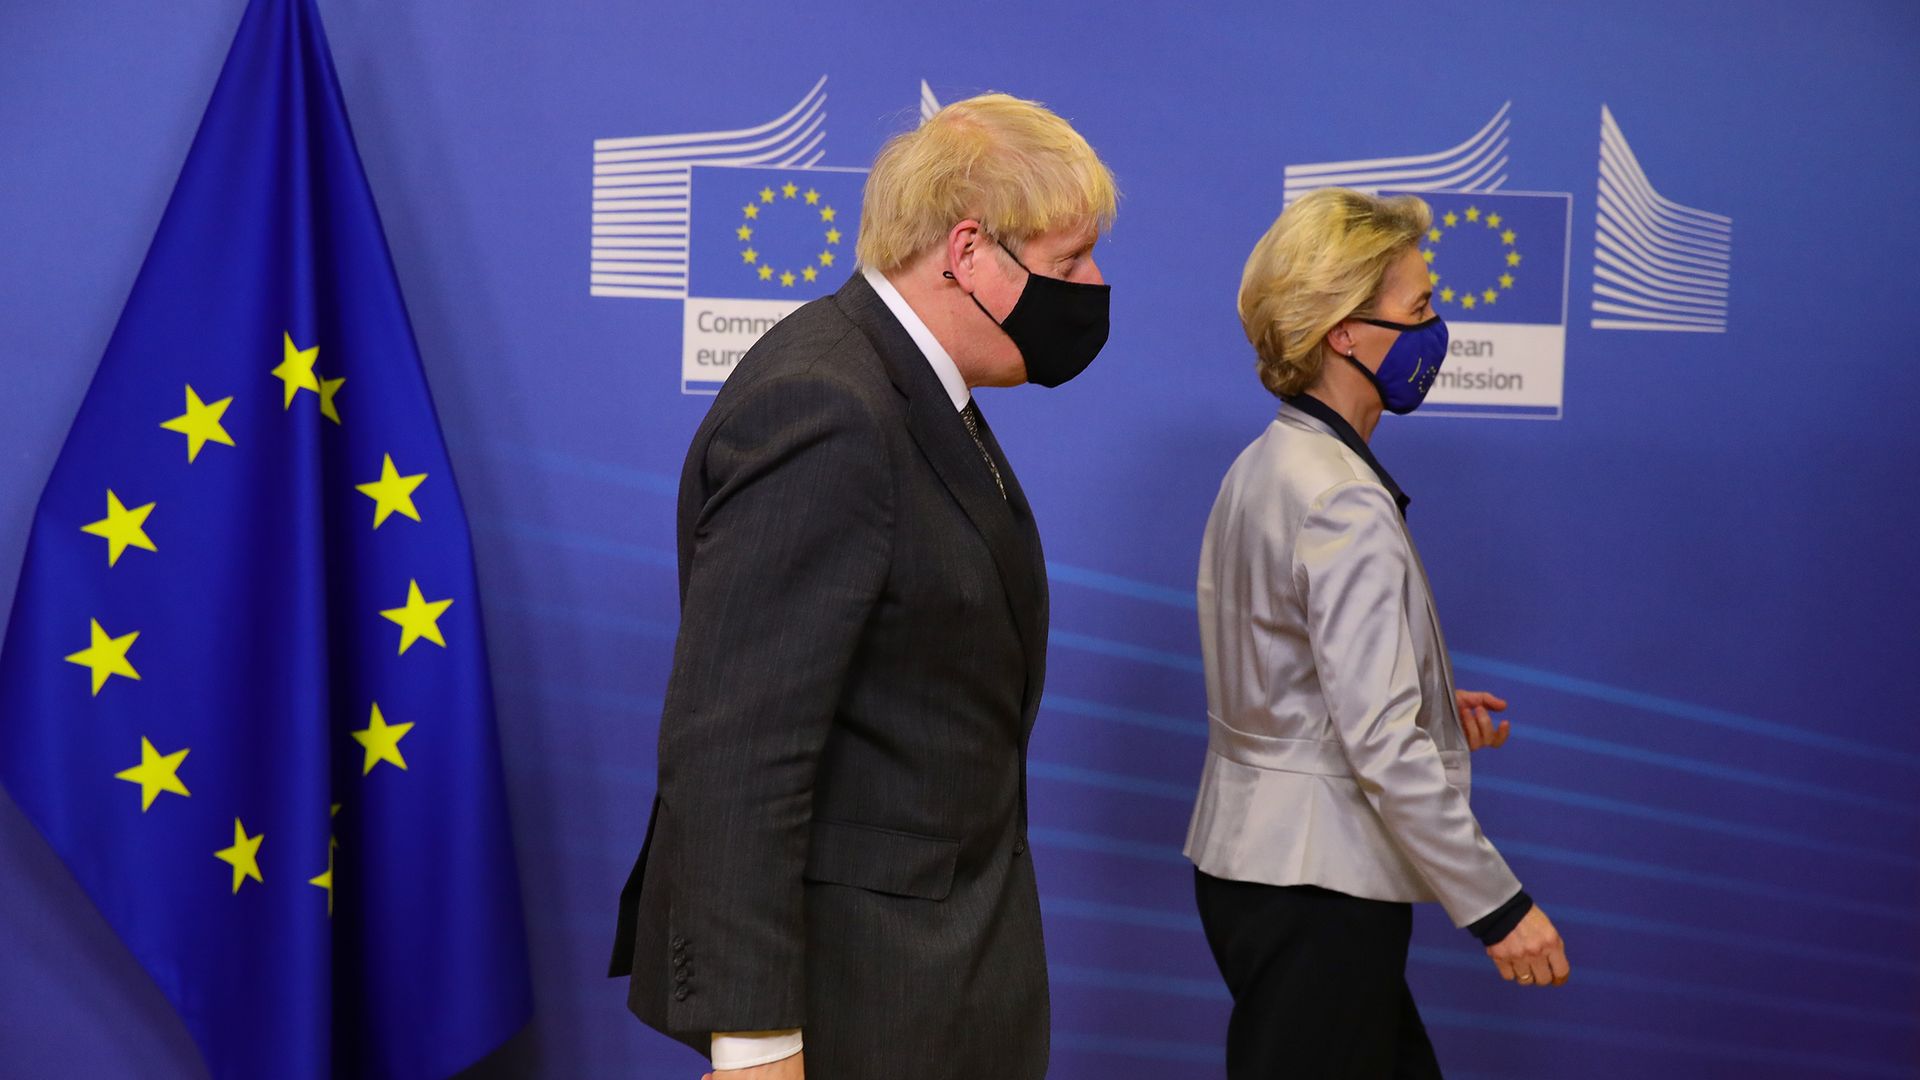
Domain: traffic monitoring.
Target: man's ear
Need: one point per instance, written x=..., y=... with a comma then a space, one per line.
x=964, y=242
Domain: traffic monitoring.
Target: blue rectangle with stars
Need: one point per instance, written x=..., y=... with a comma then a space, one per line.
x=771, y=233
x=1498, y=257
x=244, y=692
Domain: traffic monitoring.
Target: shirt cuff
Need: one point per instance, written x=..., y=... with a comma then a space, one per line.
x=1494, y=928
x=746, y=1049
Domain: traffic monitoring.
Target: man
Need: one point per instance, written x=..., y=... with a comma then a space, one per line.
x=836, y=880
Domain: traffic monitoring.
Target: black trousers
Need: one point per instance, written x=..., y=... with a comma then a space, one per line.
x=1319, y=982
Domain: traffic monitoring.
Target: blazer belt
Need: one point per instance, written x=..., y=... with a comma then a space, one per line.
x=1312, y=756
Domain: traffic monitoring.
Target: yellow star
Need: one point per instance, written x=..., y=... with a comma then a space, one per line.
x=789, y=191
x=418, y=619
x=1450, y=218
x=1467, y=301
x=1493, y=221
x=766, y=194
x=122, y=528
x=833, y=236
x=1513, y=258
x=744, y=232
x=1507, y=237
x=156, y=773
x=750, y=210
x=1434, y=235
x=243, y=856
x=810, y=273
x=786, y=278
x=826, y=258
x=766, y=273
x=813, y=197
x=1433, y=277
x=296, y=369
x=749, y=256
x=201, y=423
x=381, y=741
x=392, y=492
x=1446, y=295
x=330, y=389
x=1506, y=281
x=325, y=880
x=826, y=214
x=1473, y=213
x=1489, y=296
x=1427, y=255
x=106, y=656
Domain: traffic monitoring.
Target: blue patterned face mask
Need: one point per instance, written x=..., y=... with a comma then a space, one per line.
x=1411, y=364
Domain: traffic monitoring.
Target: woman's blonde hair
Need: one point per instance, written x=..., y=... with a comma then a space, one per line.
x=1008, y=163
x=1321, y=262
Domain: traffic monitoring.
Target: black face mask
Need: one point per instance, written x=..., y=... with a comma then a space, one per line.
x=1059, y=326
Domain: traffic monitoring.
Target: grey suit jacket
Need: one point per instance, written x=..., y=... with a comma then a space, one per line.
x=1334, y=755
x=839, y=838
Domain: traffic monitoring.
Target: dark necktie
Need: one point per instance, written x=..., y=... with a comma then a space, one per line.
x=971, y=414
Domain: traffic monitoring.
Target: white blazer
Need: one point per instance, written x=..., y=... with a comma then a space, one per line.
x=1334, y=755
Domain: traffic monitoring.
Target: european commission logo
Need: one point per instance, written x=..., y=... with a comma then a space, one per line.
x=741, y=227
x=761, y=242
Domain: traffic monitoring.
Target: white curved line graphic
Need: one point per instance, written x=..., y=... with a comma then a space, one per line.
x=1658, y=265
x=643, y=185
x=1478, y=164
x=638, y=142
x=1631, y=187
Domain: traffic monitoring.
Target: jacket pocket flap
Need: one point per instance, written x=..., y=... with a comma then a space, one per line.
x=882, y=860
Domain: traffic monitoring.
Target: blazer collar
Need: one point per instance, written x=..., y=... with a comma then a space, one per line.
x=1337, y=425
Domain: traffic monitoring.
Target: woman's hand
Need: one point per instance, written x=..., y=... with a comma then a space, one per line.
x=1533, y=954
x=1473, y=706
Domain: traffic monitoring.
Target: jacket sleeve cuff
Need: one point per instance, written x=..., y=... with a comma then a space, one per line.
x=1494, y=928
x=747, y=1049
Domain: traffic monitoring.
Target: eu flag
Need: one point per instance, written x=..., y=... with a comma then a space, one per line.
x=1498, y=256
x=767, y=233
x=244, y=691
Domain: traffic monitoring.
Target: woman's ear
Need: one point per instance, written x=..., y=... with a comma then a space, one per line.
x=1340, y=340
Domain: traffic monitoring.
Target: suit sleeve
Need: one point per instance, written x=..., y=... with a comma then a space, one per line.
x=790, y=551
x=1353, y=568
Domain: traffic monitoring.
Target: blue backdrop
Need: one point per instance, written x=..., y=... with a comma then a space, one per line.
x=1691, y=577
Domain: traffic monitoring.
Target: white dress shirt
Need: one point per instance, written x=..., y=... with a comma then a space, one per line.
x=930, y=347
x=746, y=1049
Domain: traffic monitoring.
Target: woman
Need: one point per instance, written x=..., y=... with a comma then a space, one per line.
x=1335, y=790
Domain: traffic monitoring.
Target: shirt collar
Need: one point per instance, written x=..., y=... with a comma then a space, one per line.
x=1343, y=431
x=937, y=357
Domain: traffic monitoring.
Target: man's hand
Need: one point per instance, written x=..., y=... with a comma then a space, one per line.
x=792, y=1068
x=1532, y=955
x=1474, y=705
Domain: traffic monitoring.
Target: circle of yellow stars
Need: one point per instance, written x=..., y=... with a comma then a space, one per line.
x=750, y=213
x=1468, y=298
x=124, y=528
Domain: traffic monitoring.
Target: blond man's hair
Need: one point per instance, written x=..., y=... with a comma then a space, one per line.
x=1321, y=262
x=1010, y=164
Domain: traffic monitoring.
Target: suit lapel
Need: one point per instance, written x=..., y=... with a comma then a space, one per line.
x=936, y=427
